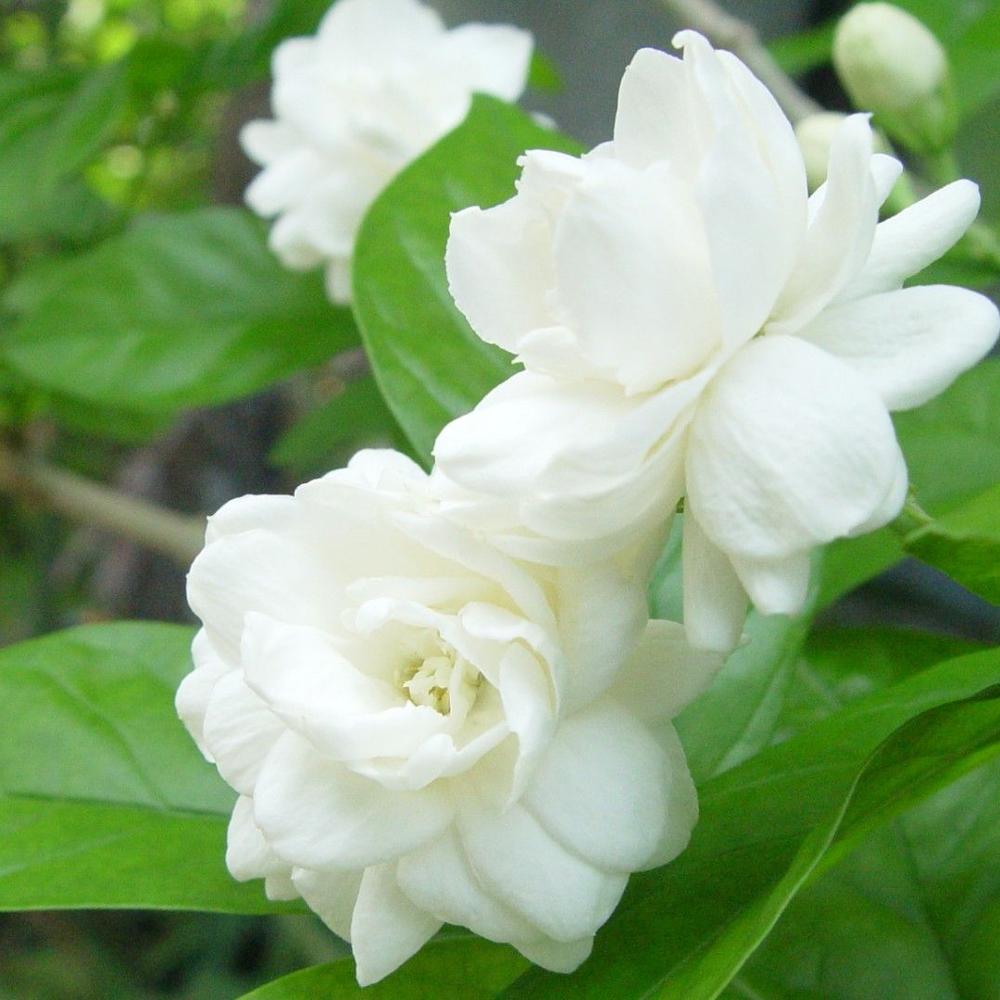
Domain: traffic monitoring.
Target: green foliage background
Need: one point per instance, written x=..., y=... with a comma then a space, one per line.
x=849, y=846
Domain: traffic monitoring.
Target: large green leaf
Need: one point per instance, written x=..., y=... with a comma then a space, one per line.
x=430, y=365
x=964, y=543
x=466, y=968
x=104, y=800
x=952, y=448
x=179, y=311
x=51, y=124
x=768, y=824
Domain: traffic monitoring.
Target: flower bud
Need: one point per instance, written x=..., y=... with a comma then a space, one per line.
x=892, y=65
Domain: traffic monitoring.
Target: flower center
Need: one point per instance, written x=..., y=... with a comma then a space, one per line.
x=444, y=681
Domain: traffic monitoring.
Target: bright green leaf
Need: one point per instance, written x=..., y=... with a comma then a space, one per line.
x=430, y=365
x=104, y=800
x=51, y=124
x=965, y=544
x=768, y=824
x=182, y=310
x=467, y=968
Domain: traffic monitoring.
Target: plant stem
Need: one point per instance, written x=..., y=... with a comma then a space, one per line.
x=741, y=38
x=178, y=536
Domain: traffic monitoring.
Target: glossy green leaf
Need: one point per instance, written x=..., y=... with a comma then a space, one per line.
x=768, y=824
x=965, y=544
x=952, y=448
x=104, y=800
x=912, y=914
x=840, y=665
x=52, y=123
x=180, y=311
x=466, y=968
x=429, y=364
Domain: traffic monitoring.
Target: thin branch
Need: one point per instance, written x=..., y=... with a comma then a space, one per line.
x=728, y=32
x=178, y=536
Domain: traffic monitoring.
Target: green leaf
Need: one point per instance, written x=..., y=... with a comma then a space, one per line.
x=840, y=665
x=738, y=715
x=355, y=417
x=180, y=311
x=429, y=364
x=952, y=449
x=104, y=800
x=768, y=824
x=965, y=544
x=467, y=968
x=913, y=914
x=51, y=124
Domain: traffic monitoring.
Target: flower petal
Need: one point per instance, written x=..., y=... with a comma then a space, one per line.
x=789, y=449
x=317, y=814
x=240, y=731
x=386, y=927
x=633, y=276
x=715, y=603
x=599, y=789
x=438, y=879
x=488, y=58
x=195, y=690
x=247, y=852
x=909, y=344
x=664, y=672
x=682, y=800
x=840, y=234
x=523, y=866
x=331, y=895
x=916, y=237
x=776, y=586
x=557, y=956
x=358, y=32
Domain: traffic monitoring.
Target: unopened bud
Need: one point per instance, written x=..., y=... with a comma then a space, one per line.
x=892, y=65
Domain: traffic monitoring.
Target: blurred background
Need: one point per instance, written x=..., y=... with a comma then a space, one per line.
x=187, y=74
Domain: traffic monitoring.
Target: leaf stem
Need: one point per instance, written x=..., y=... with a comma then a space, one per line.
x=741, y=38
x=178, y=536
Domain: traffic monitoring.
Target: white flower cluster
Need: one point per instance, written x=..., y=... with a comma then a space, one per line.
x=438, y=696
x=380, y=82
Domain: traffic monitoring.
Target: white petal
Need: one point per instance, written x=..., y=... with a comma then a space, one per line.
x=600, y=788
x=196, y=688
x=789, y=449
x=557, y=956
x=271, y=512
x=280, y=185
x=595, y=645
x=247, y=852
x=490, y=59
x=264, y=141
x=499, y=264
x=386, y=928
x=776, y=586
x=909, y=344
x=916, y=237
x=654, y=120
x=361, y=32
x=664, y=673
x=439, y=881
x=280, y=888
x=839, y=237
x=263, y=571
x=305, y=679
x=715, y=603
x=331, y=895
x=633, y=276
x=520, y=864
x=682, y=800
x=240, y=731
x=317, y=814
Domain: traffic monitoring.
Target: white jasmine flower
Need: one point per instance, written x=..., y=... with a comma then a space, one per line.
x=422, y=730
x=380, y=82
x=692, y=323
